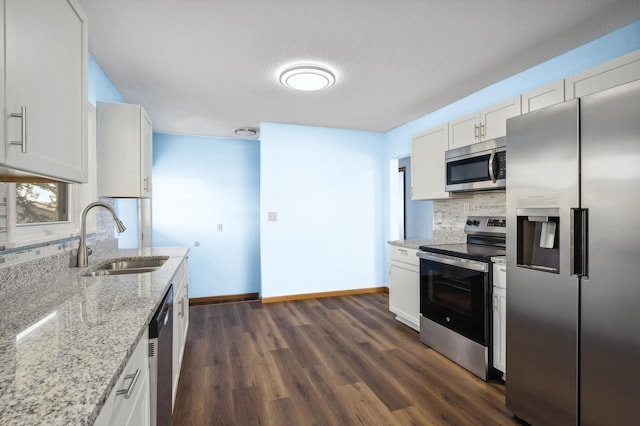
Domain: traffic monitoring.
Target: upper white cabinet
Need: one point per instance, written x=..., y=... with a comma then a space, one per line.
x=427, y=164
x=543, y=97
x=486, y=124
x=611, y=74
x=124, y=151
x=45, y=77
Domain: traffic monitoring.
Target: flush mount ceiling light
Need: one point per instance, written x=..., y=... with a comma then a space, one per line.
x=246, y=132
x=307, y=78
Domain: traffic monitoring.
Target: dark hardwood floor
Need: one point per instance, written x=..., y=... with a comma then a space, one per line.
x=330, y=361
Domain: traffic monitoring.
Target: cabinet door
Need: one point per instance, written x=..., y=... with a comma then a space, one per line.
x=494, y=119
x=427, y=164
x=499, y=329
x=404, y=293
x=129, y=402
x=611, y=74
x=180, y=322
x=543, y=97
x=464, y=131
x=46, y=78
x=146, y=154
x=124, y=151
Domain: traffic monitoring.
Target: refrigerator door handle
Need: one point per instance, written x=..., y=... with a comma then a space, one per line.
x=579, y=235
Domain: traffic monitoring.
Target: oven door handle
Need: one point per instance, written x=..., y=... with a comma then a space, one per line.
x=474, y=265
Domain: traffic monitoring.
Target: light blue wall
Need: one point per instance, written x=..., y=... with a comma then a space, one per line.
x=327, y=188
x=417, y=212
x=100, y=86
x=201, y=182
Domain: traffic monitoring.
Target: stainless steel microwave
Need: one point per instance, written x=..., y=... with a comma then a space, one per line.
x=478, y=167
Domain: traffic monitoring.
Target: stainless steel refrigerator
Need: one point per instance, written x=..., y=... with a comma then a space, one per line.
x=573, y=261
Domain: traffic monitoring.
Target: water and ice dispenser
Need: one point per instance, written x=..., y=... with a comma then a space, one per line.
x=538, y=242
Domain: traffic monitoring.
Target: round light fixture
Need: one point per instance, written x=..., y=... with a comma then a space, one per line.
x=307, y=78
x=246, y=132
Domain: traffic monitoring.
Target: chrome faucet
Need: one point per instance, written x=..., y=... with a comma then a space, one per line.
x=83, y=252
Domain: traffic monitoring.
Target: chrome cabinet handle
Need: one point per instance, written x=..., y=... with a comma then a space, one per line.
x=476, y=131
x=146, y=184
x=483, y=127
x=23, y=116
x=181, y=307
x=132, y=384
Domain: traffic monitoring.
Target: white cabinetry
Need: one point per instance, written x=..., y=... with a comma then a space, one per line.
x=404, y=285
x=500, y=318
x=180, y=320
x=611, y=74
x=427, y=164
x=45, y=78
x=486, y=124
x=129, y=402
x=543, y=97
x=124, y=151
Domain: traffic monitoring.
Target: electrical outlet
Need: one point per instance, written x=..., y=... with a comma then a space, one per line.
x=438, y=217
x=219, y=227
x=466, y=208
x=273, y=216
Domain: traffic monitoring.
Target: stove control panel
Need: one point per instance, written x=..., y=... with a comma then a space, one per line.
x=486, y=225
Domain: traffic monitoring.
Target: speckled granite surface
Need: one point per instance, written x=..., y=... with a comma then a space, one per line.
x=415, y=244
x=65, y=338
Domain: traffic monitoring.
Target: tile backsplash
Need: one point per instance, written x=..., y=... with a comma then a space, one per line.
x=451, y=215
x=3, y=214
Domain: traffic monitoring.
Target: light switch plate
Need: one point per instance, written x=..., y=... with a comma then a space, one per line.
x=273, y=216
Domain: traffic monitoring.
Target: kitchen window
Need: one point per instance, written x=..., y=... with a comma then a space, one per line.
x=41, y=203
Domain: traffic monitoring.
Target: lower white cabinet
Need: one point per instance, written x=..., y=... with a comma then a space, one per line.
x=180, y=320
x=129, y=403
x=404, y=285
x=500, y=318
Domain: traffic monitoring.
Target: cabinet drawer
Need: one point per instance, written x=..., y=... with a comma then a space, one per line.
x=123, y=400
x=403, y=254
x=500, y=276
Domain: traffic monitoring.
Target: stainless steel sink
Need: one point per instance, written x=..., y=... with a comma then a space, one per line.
x=103, y=272
x=128, y=265
x=131, y=263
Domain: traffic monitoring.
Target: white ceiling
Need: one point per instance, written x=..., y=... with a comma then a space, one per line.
x=206, y=67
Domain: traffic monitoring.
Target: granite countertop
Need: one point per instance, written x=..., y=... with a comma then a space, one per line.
x=412, y=244
x=65, y=340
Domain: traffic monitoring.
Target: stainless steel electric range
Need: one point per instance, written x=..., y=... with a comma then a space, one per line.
x=455, y=294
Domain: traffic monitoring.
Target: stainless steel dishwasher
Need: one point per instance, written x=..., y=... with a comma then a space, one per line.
x=160, y=361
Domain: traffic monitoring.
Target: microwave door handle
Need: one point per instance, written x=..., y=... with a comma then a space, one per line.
x=492, y=174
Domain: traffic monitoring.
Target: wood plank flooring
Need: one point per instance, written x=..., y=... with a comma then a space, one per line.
x=330, y=361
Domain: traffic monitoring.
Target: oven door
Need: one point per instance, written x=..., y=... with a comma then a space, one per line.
x=455, y=293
